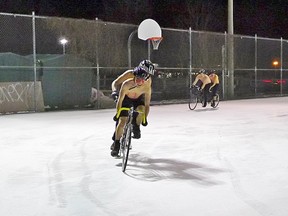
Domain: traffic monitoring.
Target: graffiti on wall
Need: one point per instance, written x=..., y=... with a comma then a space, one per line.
x=19, y=96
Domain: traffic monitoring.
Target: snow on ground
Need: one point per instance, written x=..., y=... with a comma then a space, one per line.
x=208, y=162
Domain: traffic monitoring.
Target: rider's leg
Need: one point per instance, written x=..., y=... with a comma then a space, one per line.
x=113, y=137
x=205, y=94
x=214, y=93
x=118, y=135
x=137, y=120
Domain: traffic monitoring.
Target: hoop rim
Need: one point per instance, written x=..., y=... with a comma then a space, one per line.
x=155, y=38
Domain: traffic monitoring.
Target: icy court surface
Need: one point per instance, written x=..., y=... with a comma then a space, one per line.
x=230, y=161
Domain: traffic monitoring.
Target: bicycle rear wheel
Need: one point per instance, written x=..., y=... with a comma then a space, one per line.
x=216, y=102
x=125, y=145
x=192, y=103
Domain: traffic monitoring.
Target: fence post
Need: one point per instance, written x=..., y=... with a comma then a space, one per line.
x=190, y=57
x=230, y=64
x=34, y=59
x=255, y=67
x=281, y=68
x=97, y=65
x=223, y=52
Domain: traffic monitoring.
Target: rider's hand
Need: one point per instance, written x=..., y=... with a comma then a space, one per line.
x=115, y=118
x=115, y=95
x=195, y=86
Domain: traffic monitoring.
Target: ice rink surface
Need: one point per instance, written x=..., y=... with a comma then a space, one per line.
x=229, y=161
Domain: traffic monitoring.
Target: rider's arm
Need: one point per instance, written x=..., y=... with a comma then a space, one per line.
x=213, y=83
x=122, y=94
x=116, y=84
x=195, y=81
x=216, y=79
x=212, y=86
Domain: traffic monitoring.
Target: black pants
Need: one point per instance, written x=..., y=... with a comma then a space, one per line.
x=215, y=90
x=128, y=102
x=206, y=93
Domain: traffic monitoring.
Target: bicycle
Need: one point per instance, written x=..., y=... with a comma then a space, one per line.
x=196, y=96
x=125, y=141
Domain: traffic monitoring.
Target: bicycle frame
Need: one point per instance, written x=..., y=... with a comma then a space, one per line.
x=195, y=97
x=125, y=141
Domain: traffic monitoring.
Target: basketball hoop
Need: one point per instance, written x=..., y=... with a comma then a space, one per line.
x=155, y=42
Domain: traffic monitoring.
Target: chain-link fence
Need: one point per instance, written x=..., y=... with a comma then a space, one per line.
x=37, y=72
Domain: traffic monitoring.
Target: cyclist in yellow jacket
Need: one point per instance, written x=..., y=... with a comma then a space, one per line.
x=203, y=82
x=135, y=90
x=214, y=86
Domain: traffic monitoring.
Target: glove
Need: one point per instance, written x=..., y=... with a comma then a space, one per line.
x=115, y=118
x=115, y=95
x=196, y=87
x=145, y=123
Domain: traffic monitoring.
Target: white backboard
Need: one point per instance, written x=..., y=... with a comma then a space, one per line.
x=149, y=28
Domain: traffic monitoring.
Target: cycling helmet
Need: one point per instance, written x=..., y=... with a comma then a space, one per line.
x=202, y=71
x=148, y=66
x=140, y=72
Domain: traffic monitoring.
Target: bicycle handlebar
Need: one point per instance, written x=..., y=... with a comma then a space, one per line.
x=128, y=109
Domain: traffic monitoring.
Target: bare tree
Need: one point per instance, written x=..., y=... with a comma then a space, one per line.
x=127, y=11
x=201, y=15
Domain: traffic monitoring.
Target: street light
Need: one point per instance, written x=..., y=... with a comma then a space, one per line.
x=275, y=63
x=63, y=41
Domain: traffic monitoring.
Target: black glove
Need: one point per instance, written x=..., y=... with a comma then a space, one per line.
x=115, y=95
x=145, y=123
x=197, y=87
x=115, y=118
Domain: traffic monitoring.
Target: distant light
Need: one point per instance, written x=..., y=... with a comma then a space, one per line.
x=275, y=63
x=281, y=81
x=63, y=41
x=267, y=81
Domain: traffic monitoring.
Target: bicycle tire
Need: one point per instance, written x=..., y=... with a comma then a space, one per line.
x=216, y=102
x=125, y=145
x=193, y=100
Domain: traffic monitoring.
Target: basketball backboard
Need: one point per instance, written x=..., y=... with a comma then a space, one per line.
x=149, y=28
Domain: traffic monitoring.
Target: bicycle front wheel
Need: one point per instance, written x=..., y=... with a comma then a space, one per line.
x=192, y=103
x=125, y=145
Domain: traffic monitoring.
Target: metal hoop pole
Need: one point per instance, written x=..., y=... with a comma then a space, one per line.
x=129, y=47
x=149, y=49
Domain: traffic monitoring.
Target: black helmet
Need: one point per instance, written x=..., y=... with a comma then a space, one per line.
x=212, y=72
x=140, y=72
x=202, y=71
x=148, y=66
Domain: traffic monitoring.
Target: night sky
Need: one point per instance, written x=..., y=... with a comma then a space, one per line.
x=266, y=18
